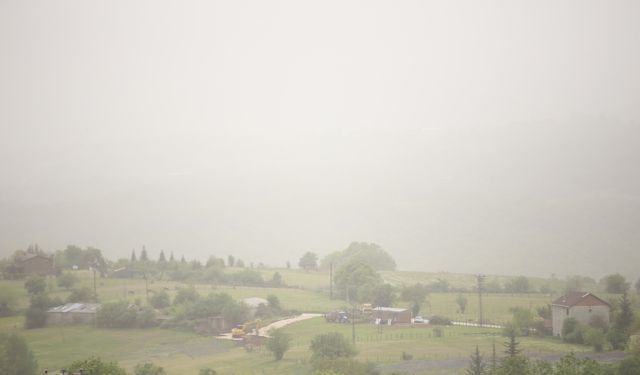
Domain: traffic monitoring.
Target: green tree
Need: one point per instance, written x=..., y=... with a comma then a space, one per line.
x=417, y=294
x=309, y=261
x=383, y=295
x=637, y=285
x=274, y=303
x=162, y=258
x=372, y=254
x=332, y=345
x=207, y=371
x=615, y=283
x=171, y=258
x=149, y=369
x=36, y=314
x=518, y=285
x=116, y=315
x=67, y=280
x=476, y=364
x=133, y=256
x=231, y=261
x=144, y=257
x=8, y=300
x=15, y=356
x=278, y=343
x=160, y=300
x=511, y=346
x=630, y=365
x=35, y=285
x=95, y=365
x=462, y=303
x=522, y=320
x=357, y=281
x=622, y=323
x=81, y=295
x=276, y=279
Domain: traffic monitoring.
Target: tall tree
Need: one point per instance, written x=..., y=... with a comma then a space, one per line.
x=231, y=261
x=615, y=283
x=476, y=364
x=309, y=261
x=15, y=356
x=133, y=256
x=622, y=323
x=161, y=258
x=171, y=258
x=143, y=255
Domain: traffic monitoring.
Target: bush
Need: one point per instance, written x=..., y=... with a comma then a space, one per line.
x=331, y=346
x=146, y=318
x=94, y=365
x=438, y=332
x=15, y=356
x=594, y=337
x=207, y=371
x=8, y=301
x=160, y=300
x=36, y=314
x=35, y=285
x=437, y=320
x=186, y=295
x=344, y=366
x=149, y=369
x=81, y=295
x=278, y=344
x=67, y=280
x=116, y=315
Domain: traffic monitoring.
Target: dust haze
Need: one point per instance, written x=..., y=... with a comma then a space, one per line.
x=458, y=138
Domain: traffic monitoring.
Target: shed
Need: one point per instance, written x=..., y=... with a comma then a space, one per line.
x=583, y=307
x=391, y=315
x=73, y=313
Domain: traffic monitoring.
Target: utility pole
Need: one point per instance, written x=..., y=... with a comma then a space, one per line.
x=95, y=289
x=480, y=278
x=353, y=324
x=330, y=280
x=146, y=285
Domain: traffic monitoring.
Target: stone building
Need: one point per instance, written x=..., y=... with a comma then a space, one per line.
x=583, y=307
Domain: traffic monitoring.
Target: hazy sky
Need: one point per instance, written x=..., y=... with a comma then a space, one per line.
x=463, y=136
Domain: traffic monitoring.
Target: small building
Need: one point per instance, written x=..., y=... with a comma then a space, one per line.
x=583, y=307
x=35, y=264
x=126, y=273
x=391, y=315
x=73, y=313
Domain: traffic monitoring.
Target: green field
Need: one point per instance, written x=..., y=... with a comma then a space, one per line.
x=181, y=352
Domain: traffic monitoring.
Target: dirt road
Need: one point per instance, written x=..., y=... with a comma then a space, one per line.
x=264, y=331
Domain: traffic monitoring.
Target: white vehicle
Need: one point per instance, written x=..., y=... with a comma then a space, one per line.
x=419, y=320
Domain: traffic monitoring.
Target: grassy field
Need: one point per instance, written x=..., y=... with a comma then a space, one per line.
x=181, y=352
x=185, y=353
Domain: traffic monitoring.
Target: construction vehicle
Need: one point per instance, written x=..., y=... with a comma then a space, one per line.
x=337, y=317
x=251, y=327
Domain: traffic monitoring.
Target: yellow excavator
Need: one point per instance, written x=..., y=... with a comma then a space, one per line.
x=247, y=328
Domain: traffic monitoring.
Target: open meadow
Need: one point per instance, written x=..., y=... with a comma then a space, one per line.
x=183, y=352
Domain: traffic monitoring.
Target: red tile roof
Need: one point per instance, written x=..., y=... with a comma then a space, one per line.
x=574, y=298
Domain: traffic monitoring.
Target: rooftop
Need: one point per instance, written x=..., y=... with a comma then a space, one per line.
x=89, y=308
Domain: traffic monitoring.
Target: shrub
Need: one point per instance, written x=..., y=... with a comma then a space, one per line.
x=149, y=369
x=15, y=356
x=160, y=300
x=81, y=295
x=437, y=320
x=186, y=295
x=67, y=280
x=278, y=344
x=95, y=365
x=35, y=285
x=116, y=315
x=330, y=346
x=207, y=371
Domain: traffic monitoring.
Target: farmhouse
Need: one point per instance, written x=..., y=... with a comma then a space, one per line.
x=390, y=315
x=35, y=264
x=73, y=313
x=581, y=306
